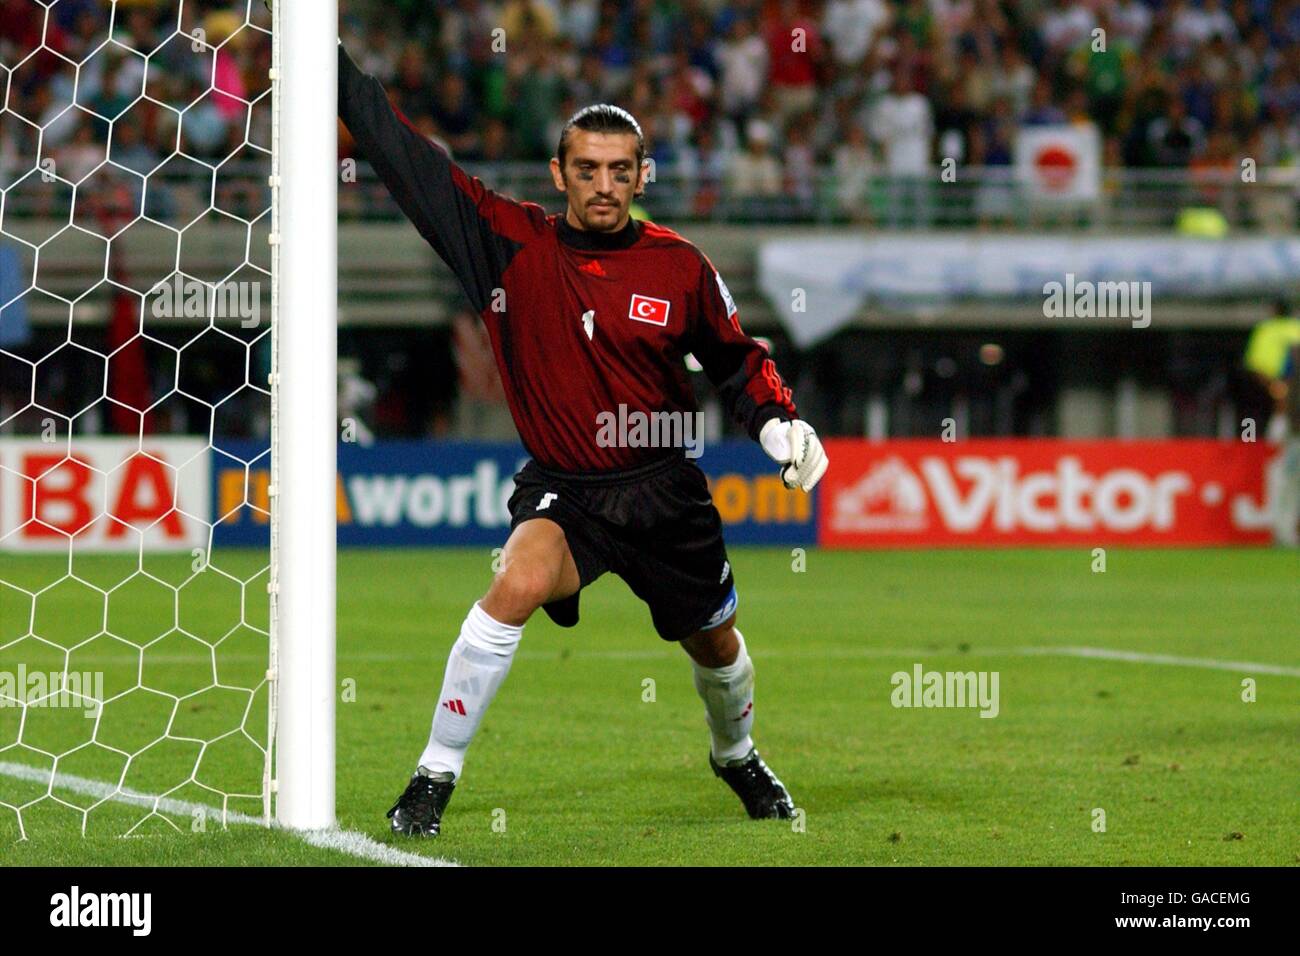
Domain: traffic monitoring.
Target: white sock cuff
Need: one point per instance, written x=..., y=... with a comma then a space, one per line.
x=483, y=632
x=728, y=672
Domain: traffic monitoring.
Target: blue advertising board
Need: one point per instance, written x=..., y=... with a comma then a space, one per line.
x=432, y=493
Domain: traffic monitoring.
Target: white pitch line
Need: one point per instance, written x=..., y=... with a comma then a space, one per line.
x=344, y=841
x=1094, y=653
x=667, y=652
x=1137, y=657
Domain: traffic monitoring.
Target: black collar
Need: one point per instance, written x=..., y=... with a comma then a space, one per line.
x=598, y=241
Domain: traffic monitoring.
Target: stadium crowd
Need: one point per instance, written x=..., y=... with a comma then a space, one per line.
x=744, y=98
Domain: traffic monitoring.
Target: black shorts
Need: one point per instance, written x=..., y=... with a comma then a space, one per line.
x=654, y=526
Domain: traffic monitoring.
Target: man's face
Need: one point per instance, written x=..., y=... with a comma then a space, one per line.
x=600, y=177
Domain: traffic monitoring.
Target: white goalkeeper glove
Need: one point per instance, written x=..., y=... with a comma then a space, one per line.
x=796, y=446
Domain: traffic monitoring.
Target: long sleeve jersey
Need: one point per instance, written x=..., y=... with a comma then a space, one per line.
x=581, y=322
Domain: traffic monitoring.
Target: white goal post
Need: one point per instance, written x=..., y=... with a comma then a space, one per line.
x=304, y=396
x=158, y=666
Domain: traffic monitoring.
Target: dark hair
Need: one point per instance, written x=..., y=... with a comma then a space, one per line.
x=602, y=118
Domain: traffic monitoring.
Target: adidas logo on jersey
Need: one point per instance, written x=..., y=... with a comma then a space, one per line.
x=593, y=268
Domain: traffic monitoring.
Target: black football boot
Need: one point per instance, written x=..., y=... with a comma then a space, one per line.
x=418, y=811
x=763, y=795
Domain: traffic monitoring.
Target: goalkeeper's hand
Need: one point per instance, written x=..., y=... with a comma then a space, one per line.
x=796, y=446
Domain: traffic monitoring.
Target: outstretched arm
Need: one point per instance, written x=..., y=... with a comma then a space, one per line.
x=751, y=389
x=473, y=229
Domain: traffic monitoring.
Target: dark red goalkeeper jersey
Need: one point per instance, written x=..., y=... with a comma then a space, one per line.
x=581, y=322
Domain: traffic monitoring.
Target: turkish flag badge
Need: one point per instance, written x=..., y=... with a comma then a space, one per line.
x=647, y=309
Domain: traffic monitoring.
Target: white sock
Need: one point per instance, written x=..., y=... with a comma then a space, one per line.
x=728, y=695
x=478, y=664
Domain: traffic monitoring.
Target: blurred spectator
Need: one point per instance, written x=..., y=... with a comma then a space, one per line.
x=481, y=408
x=800, y=166
x=854, y=166
x=1043, y=110
x=976, y=77
x=992, y=145
x=130, y=149
x=690, y=90
x=1103, y=71
x=110, y=83
x=1065, y=26
x=1175, y=137
x=15, y=329
x=916, y=21
x=794, y=49
x=954, y=123
x=903, y=124
x=535, y=20
x=1279, y=140
x=1266, y=359
x=755, y=172
x=1131, y=19
x=77, y=159
x=852, y=27
x=536, y=91
x=454, y=114
x=704, y=166
x=1194, y=25
x=494, y=145
x=952, y=17
x=743, y=60
x=1014, y=79
x=203, y=127
x=355, y=401
x=578, y=19
x=1212, y=169
x=227, y=79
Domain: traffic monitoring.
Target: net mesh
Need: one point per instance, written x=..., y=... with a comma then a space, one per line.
x=135, y=291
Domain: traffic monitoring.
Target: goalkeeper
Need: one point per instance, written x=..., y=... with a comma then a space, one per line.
x=589, y=311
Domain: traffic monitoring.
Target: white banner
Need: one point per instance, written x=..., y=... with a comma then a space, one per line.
x=1059, y=162
x=109, y=494
x=819, y=284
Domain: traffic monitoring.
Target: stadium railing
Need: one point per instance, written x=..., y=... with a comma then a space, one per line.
x=988, y=197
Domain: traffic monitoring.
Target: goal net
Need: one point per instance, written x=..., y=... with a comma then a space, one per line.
x=145, y=609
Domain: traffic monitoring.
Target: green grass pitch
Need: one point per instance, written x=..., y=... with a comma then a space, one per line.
x=573, y=765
